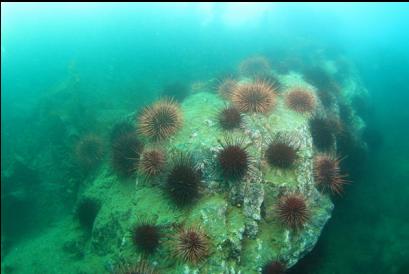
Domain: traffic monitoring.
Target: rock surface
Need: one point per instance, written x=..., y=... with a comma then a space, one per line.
x=239, y=218
x=229, y=212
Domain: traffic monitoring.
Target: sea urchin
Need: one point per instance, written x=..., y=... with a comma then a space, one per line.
x=140, y=268
x=86, y=212
x=273, y=267
x=229, y=118
x=233, y=159
x=258, y=96
x=322, y=133
x=255, y=66
x=146, y=237
x=152, y=162
x=327, y=173
x=183, y=180
x=90, y=151
x=120, y=129
x=125, y=153
x=226, y=88
x=293, y=211
x=300, y=100
x=160, y=120
x=192, y=245
x=281, y=153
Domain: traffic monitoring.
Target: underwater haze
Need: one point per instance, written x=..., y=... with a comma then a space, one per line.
x=205, y=138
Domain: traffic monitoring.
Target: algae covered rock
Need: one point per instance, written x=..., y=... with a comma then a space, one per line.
x=227, y=186
x=234, y=212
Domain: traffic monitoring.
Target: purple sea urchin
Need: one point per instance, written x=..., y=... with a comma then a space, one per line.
x=226, y=88
x=125, y=154
x=274, y=267
x=322, y=133
x=86, y=212
x=229, y=118
x=121, y=129
x=146, y=237
x=321, y=79
x=281, y=152
x=160, y=120
x=183, y=181
x=281, y=155
x=233, y=159
x=90, y=151
x=327, y=99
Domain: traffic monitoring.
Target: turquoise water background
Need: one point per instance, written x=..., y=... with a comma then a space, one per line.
x=120, y=49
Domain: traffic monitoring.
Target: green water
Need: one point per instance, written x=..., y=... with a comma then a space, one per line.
x=73, y=69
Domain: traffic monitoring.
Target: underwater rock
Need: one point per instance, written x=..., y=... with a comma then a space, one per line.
x=235, y=211
x=74, y=247
x=251, y=207
x=237, y=215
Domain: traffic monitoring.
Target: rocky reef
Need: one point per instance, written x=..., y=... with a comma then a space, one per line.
x=245, y=203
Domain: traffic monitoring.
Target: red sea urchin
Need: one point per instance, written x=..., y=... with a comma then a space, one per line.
x=229, y=118
x=274, y=267
x=125, y=153
x=233, y=159
x=192, y=245
x=90, y=151
x=183, y=181
x=301, y=100
x=160, y=120
x=293, y=211
x=152, y=162
x=146, y=237
x=327, y=174
x=257, y=97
